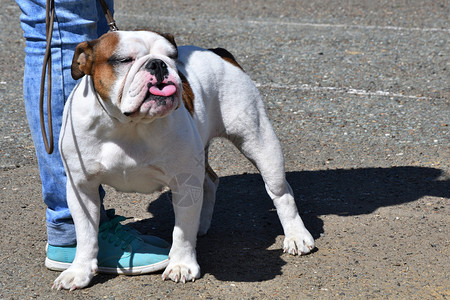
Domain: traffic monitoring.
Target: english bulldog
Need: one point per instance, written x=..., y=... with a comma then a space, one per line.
x=141, y=118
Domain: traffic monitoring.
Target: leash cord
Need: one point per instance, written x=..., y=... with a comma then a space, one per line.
x=108, y=16
x=49, y=18
x=47, y=69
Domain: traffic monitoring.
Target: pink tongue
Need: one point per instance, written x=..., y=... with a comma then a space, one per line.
x=166, y=91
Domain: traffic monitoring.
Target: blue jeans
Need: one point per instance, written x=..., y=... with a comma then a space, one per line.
x=76, y=21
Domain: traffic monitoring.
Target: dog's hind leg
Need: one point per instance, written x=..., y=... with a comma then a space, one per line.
x=210, y=185
x=250, y=130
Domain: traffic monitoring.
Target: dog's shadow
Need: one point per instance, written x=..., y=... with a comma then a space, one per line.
x=240, y=245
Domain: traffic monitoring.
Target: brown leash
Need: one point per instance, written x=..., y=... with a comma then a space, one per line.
x=47, y=69
x=108, y=16
x=49, y=16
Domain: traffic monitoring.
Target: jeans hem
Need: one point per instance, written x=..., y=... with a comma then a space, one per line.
x=62, y=234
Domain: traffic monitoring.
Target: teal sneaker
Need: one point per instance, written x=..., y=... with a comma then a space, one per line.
x=149, y=239
x=122, y=250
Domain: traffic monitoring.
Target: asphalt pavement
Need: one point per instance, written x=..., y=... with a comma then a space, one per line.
x=358, y=93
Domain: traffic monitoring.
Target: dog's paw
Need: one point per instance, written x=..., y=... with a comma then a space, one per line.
x=300, y=243
x=73, y=278
x=182, y=272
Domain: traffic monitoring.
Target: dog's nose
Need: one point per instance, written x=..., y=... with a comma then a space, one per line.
x=158, y=68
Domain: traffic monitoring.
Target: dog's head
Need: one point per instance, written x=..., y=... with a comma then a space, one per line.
x=133, y=71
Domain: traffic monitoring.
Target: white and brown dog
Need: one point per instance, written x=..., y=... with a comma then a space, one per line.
x=142, y=118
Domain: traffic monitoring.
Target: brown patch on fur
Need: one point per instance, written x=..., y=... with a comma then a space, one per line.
x=102, y=71
x=227, y=56
x=188, y=94
x=91, y=58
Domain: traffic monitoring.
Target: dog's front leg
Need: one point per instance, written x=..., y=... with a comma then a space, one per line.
x=187, y=198
x=84, y=205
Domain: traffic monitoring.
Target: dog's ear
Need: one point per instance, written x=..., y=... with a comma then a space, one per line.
x=170, y=38
x=82, y=60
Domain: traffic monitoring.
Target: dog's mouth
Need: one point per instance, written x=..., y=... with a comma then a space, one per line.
x=159, y=97
x=161, y=93
x=162, y=89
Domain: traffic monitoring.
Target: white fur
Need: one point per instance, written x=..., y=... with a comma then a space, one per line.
x=100, y=145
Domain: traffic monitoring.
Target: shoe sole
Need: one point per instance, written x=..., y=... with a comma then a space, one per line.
x=60, y=266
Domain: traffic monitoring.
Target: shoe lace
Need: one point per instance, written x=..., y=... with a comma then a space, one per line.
x=116, y=233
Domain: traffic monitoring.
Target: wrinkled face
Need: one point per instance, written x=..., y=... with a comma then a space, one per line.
x=134, y=72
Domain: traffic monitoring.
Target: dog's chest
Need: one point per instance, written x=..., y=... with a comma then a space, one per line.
x=131, y=168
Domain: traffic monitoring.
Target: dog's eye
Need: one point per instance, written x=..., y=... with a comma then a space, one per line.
x=126, y=60
x=120, y=60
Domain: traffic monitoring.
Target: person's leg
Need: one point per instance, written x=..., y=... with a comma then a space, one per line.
x=60, y=229
x=75, y=22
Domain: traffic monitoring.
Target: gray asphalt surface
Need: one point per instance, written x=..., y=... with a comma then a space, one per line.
x=358, y=92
